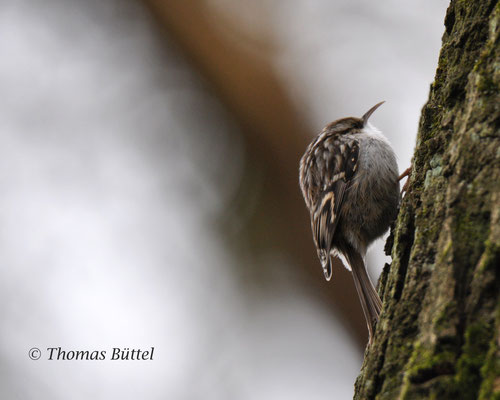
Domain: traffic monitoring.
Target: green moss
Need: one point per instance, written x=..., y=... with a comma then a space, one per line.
x=490, y=371
x=462, y=377
x=471, y=228
x=423, y=367
x=468, y=377
x=491, y=256
x=487, y=86
x=446, y=251
x=431, y=365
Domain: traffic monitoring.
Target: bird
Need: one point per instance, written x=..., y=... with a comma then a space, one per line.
x=349, y=178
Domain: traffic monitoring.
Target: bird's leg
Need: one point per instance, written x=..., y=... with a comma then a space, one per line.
x=405, y=173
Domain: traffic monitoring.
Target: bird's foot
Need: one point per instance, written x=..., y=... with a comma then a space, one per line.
x=406, y=173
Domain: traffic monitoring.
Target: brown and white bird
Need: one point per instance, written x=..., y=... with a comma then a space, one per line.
x=349, y=179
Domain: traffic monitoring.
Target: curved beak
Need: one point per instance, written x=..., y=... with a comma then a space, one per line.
x=367, y=115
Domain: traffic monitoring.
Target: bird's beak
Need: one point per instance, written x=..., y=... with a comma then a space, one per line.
x=367, y=115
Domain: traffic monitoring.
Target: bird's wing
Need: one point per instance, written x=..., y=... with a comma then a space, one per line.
x=340, y=166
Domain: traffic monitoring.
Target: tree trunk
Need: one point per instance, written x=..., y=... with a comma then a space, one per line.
x=438, y=335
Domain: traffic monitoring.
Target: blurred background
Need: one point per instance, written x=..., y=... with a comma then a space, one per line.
x=149, y=170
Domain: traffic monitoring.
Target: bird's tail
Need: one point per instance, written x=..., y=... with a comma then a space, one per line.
x=326, y=263
x=368, y=296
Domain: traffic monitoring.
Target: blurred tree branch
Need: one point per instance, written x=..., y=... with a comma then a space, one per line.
x=275, y=135
x=439, y=332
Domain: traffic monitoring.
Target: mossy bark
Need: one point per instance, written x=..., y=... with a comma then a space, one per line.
x=439, y=333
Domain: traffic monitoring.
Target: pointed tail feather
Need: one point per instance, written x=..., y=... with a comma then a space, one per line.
x=368, y=296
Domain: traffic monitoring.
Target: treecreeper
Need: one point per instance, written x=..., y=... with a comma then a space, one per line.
x=349, y=180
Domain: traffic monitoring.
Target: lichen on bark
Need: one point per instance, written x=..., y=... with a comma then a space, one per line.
x=438, y=335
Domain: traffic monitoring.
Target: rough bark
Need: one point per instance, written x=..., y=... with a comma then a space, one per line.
x=438, y=336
